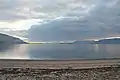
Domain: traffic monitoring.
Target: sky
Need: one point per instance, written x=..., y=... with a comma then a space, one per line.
x=68, y=19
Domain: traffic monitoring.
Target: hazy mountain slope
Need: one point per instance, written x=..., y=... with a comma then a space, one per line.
x=9, y=39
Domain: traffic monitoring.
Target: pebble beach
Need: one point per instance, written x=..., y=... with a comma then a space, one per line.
x=59, y=70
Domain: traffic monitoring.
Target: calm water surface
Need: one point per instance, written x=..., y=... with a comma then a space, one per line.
x=59, y=51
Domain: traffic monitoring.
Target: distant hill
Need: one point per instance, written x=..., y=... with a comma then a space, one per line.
x=10, y=39
x=108, y=41
x=102, y=41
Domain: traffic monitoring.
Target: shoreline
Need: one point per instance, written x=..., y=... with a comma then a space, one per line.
x=16, y=69
x=74, y=59
x=58, y=64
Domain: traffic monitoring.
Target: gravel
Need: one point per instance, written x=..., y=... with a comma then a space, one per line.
x=102, y=73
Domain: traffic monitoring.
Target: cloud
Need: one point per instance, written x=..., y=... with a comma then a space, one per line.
x=91, y=19
x=11, y=10
x=64, y=29
x=65, y=19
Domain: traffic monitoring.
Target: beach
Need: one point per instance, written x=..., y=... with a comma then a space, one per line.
x=107, y=69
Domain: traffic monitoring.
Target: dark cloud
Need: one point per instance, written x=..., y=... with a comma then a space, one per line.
x=100, y=19
x=65, y=29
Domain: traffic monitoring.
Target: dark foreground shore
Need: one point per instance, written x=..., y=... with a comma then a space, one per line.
x=60, y=69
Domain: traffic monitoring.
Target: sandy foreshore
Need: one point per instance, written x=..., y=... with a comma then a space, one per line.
x=108, y=69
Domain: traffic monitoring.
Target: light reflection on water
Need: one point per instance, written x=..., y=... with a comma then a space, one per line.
x=59, y=51
x=14, y=52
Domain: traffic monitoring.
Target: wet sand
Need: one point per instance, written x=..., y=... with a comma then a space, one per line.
x=60, y=69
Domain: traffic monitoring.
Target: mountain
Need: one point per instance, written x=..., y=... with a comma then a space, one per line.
x=108, y=41
x=7, y=39
x=102, y=41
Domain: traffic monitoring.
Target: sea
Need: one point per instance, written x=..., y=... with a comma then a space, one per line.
x=59, y=51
